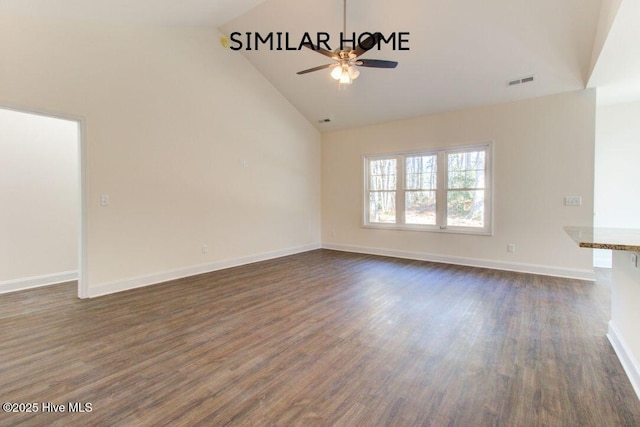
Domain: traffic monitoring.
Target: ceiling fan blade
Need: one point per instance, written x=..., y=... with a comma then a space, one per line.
x=376, y=63
x=321, y=67
x=320, y=50
x=367, y=44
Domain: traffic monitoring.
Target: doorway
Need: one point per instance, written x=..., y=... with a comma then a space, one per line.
x=41, y=197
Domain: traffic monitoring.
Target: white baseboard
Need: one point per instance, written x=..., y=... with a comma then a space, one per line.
x=629, y=363
x=471, y=262
x=165, y=276
x=37, y=281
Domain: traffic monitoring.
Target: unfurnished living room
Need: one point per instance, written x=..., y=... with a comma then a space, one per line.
x=331, y=213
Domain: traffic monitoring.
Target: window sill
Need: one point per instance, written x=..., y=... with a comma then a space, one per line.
x=430, y=229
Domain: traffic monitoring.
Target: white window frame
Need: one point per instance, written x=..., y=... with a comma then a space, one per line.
x=441, y=225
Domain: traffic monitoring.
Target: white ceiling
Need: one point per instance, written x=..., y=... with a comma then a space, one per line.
x=461, y=54
x=162, y=12
x=617, y=72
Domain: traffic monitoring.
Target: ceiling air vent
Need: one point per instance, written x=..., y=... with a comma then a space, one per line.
x=520, y=80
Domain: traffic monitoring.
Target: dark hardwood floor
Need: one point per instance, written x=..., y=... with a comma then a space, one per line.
x=320, y=338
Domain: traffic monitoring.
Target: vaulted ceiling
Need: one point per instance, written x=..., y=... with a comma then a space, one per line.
x=154, y=12
x=617, y=72
x=461, y=54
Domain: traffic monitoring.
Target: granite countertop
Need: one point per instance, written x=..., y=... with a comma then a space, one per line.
x=618, y=239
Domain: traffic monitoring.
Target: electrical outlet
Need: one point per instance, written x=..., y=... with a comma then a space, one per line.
x=205, y=249
x=104, y=200
x=573, y=201
x=511, y=248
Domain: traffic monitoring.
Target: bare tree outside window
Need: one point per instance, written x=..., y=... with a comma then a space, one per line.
x=465, y=192
x=420, y=189
x=382, y=190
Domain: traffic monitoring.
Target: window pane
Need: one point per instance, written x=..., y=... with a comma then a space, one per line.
x=382, y=206
x=478, y=178
x=466, y=170
x=421, y=172
x=420, y=207
x=382, y=174
x=465, y=208
x=382, y=182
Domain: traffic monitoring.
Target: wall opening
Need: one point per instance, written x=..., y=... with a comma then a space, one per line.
x=41, y=218
x=615, y=184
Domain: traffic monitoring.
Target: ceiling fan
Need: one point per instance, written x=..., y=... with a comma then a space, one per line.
x=344, y=69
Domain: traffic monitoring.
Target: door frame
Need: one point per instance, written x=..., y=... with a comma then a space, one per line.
x=83, y=285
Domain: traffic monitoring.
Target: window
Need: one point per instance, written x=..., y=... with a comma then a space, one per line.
x=382, y=191
x=466, y=188
x=420, y=189
x=439, y=190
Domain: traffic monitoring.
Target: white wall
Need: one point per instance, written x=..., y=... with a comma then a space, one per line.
x=625, y=316
x=544, y=150
x=617, y=197
x=169, y=116
x=39, y=200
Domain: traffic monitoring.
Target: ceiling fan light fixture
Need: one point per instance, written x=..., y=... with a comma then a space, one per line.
x=336, y=73
x=345, y=78
x=345, y=74
x=353, y=72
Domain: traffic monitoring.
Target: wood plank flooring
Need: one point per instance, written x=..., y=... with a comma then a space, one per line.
x=320, y=338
